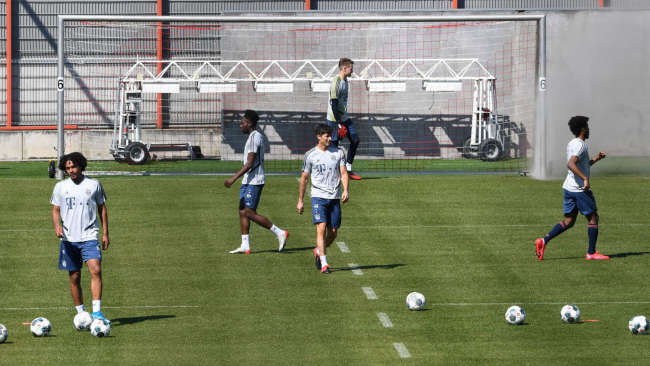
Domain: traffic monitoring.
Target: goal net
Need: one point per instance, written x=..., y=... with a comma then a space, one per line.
x=425, y=95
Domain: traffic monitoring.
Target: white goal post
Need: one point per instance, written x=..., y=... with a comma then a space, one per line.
x=319, y=77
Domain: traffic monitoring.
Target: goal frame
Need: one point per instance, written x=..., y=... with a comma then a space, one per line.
x=539, y=148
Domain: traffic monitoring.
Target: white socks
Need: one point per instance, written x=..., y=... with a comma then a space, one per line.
x=97, y=305
x=277, y=231
x=80, y=308
x=323, y=260
x=245, y=242
x=348, y=166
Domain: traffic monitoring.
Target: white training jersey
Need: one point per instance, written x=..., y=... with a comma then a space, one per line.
x=325, y=169
x=254, y=144
x=577, y=147
x=78, y=204
x=338, y=90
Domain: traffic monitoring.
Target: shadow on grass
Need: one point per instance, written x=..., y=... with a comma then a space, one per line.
x=376, y=266
x=285, y=250
x=615, y=255
x=138, y=319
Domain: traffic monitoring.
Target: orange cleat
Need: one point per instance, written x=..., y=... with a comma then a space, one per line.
x=539, y=248
x=325, y=270
x=596, y=256
x=353, y=176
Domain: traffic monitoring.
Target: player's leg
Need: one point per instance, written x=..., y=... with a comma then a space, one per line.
x=587, y=206
x=70, y=259
x=334, y=126
x=244, y=221
x=570, y=213
x=333, y=223
x=353, y=136
x=319, y=219
x=330, y=236
x=321, y=251
x=92, y=255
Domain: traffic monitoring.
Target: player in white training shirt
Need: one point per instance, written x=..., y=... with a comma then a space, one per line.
x=252, y=185
x=577, y=191
x=76, y=201
x=325, y=164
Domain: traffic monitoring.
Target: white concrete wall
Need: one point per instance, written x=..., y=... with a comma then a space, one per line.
x=94, y=144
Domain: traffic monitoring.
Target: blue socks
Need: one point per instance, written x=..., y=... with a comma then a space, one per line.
x=592, y=232
x=557, y=230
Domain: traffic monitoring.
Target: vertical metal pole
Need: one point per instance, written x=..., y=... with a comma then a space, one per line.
x=60, y=147
x=9, y=66
x=540, y=158
x=159, y=57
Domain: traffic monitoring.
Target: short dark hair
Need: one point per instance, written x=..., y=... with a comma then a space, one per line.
x=577, y=123
x=345, y=62
x=252, y=116
x=76, y=157
x=322, y=128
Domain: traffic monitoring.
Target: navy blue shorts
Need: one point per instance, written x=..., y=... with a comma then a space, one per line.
x=72, y=255
x=335, y=126
x=583, y=201
x=249, y=196
x=326, y=210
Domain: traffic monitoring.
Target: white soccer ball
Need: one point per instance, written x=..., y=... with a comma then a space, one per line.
x=415, y=301
x=3, y=333
x=40, y=327
x=100, y=328
x=639, y=325
x=570, y=314
x=515, y=315
x=82, y=321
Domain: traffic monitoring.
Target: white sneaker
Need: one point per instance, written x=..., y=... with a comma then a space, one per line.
x=282, y=239
x=241, y=250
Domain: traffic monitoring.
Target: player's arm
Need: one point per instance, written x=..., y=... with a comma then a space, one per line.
x=301, y=192
x=246, y=167
x=601, y=155
x=335, y=109
x=344, y=180
x=56, y=220
x=103, y=215
x=574, y=168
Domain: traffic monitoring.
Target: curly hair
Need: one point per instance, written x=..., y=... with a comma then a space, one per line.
x=76, y=157
x=577, y=123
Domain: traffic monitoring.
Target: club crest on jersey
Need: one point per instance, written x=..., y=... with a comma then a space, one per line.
x=248, y=195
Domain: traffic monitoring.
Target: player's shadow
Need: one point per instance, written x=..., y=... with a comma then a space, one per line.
x=137, y=319
x=285, y=250
x=615, y=255
x=374, y=266
x=627, y=254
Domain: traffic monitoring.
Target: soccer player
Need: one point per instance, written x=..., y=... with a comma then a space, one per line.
x=326, y=165
x=76, y=201
x=337, y=115
x=252, y=184
x=577, y=191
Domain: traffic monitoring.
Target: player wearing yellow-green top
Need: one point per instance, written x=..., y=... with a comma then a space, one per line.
x=337, y=115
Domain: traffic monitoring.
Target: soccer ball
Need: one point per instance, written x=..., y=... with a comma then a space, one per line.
x=639, y=325
x=515, y=315
x=100, y=328
x=82, y=321
x=570, y=314
x=415, y=301
x=3, y=333
x=40, y=327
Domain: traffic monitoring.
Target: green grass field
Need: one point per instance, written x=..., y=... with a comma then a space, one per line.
x=176, y=297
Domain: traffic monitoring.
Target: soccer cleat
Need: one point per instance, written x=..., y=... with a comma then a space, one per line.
x=317, y=259
x=99, y=315
x=325, y=270
x=240, y=250
x=353, y=176
x=283, y=240
x=539, y=248
x=596, y=256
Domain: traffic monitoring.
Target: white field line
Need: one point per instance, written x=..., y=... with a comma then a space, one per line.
x=344, y=248
x=402, y=351
x=355, y=269
x=541, y=303
x=385, y=320
x=370, y=293
x=71, y=308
